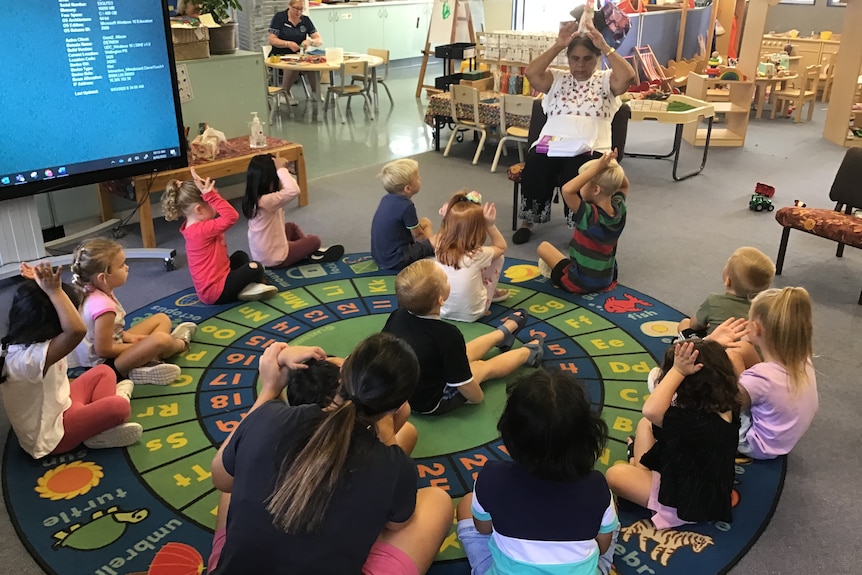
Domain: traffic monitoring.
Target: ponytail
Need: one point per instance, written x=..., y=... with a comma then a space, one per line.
x=788, y=329
x=178, y=197
x=378, y=377
x=299, y=503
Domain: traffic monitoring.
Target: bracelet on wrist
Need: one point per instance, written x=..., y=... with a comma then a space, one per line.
x=611, y=51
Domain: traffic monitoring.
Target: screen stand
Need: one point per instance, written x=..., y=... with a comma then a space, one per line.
x=21, y=239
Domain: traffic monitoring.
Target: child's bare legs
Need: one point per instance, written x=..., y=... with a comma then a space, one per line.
x=490, y=278
x=550, y=254
x=499, y=365
x=684, y=324
x=420, y=539
x=633, y=481
x=158, y=344
x=479, y=347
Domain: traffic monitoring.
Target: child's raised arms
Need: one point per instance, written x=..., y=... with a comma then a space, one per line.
x=571, y=189
x=684, y=364
x=71, y=323
x=204, y=185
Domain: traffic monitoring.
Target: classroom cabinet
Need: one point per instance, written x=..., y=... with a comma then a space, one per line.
x=400, y=27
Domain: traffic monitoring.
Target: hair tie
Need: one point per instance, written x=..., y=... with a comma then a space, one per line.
x=348, y=397
x=76, y=279
x=474, y=197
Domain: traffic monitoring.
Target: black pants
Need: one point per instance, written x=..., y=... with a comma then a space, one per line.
x=241, y=274
x=540, y=176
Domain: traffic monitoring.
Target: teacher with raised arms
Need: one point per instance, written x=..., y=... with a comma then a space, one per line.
x=290, y=32
x=580, y=105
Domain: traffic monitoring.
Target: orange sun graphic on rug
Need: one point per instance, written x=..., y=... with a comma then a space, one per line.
x=69, y=480
x=521, y=273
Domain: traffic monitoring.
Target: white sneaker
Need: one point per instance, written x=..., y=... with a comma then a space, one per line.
x=155, y=374
x=185, y=331
x=291, y=100
x=544, y=268
x=256, y=291
x=123, y=435
x=125, y=388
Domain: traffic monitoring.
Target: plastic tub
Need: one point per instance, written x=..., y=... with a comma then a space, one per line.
x=334, y=55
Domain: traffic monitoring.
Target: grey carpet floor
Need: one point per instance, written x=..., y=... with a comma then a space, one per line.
x=676, y=242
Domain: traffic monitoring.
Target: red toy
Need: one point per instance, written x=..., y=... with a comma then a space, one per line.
x=764, y=190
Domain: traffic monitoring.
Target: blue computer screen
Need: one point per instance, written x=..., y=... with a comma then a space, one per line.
x=87, y=86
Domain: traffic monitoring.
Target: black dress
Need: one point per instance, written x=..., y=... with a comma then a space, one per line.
x=695, y=455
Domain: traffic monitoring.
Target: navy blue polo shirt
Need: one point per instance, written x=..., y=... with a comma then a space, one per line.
x=282, y=27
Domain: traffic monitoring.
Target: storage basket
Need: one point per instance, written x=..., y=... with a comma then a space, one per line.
x=191, y=43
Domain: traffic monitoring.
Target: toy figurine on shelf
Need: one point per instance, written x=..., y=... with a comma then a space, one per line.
x=799, y=204
x=713, y=63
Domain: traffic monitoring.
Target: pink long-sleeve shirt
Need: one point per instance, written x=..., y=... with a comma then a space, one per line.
x=206, y=248
x=267, y=239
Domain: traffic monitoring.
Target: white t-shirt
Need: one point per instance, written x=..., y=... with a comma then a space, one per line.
x=468, y=298
x=34, y=402
x=581, y=110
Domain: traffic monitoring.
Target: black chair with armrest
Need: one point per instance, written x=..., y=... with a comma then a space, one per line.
x=619, y=130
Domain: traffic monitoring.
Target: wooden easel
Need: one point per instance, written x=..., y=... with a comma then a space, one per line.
x=451, y=21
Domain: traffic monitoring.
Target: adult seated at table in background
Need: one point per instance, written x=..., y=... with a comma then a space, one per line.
x=290, y=32
x=580, y=105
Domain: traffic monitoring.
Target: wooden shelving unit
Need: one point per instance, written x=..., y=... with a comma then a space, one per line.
x=845, y=86
x=736, y=110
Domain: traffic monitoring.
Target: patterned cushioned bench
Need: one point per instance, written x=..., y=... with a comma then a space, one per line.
x=838, y=225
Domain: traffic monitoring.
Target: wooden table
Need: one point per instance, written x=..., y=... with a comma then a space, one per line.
x=771, y=83
x=439, y=113
x=233, y=158
x=656, y=110
x=291, y=62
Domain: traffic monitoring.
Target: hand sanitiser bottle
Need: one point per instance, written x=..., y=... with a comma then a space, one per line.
x=256, y=137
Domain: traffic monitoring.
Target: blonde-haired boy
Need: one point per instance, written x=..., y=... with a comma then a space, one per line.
x=747, y=273
x=398, y=236
x=451, y=370
x=597, y=198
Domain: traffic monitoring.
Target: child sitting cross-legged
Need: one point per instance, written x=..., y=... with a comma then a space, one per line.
x=681, y=462
x=451, y=370
x=597, y=198
x=547, y=511
x=398, y=236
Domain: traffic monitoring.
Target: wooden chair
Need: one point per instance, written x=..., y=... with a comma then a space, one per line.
x=828, y=61
x=274, y=90
x=619, y=131
x=839, y=224
x=466, y=98
x=515, y=106
x=807, y=92
x=382, y=72
x=347, y=70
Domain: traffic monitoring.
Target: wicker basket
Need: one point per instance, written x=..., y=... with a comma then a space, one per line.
x=191, y=43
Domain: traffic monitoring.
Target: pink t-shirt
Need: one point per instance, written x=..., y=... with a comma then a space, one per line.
x=267, y=240
x=779, y=418
x=206, y=249
x=97, y=304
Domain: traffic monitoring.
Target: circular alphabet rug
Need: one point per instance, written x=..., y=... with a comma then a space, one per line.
x=151, y=507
